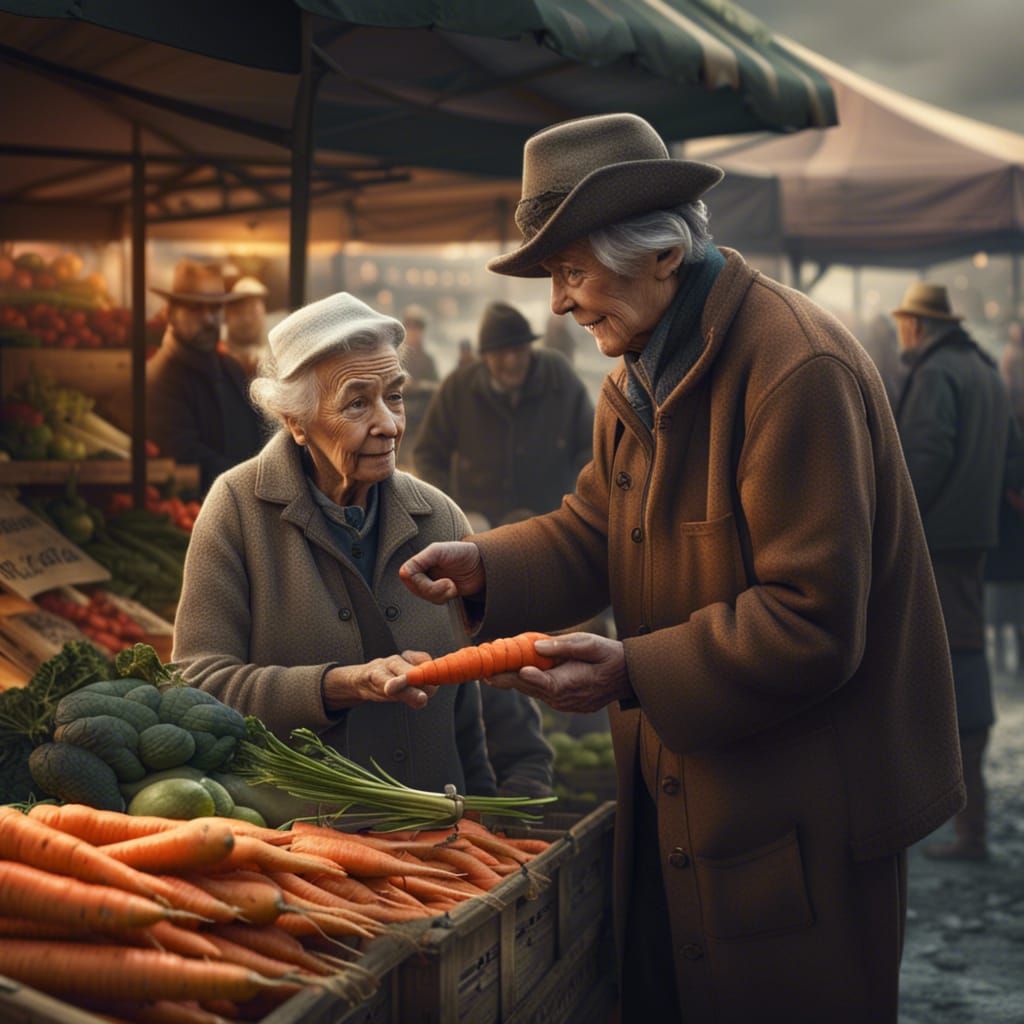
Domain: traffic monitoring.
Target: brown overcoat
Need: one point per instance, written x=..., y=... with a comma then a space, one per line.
x=764, y=556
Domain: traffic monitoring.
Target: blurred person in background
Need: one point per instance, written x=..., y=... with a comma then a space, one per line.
x=962, y=449
x=416, y=360
x=245, y=322
x=1004, y=567
x=466, y=354
x=881, y=343
x=558, y=337
x=511, y=431
x=197, y=405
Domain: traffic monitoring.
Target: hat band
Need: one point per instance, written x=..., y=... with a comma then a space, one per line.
x=533, y=213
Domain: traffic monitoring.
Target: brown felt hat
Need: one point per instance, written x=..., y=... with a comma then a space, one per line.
x=930, y=300
x=197, y=282
x=589, y=173
x=503, y=326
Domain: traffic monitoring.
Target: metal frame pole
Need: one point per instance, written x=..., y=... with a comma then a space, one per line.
x=138, y=251
x=302, y=165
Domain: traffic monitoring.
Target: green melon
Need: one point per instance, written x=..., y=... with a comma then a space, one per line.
x=174, y=798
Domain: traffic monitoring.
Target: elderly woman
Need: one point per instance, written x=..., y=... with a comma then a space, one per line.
x=292, y=608
x=780, y=692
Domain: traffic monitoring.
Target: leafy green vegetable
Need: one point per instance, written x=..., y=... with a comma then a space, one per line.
x=27, y=714
x=320, y=774
x=142, y=662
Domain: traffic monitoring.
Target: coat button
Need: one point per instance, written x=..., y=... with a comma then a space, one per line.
x=344, y=614
x=670, y=785
x=624, y=480
x=398, y=755
x=391, y=613
x=357, y=551
x=692, y=951
x=637, y=535
x=643, y=630
x=678, y=858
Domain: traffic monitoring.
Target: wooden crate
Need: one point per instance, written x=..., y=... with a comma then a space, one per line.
x=545, y=957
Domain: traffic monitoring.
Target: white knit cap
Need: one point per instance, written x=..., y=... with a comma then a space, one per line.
x=322, y=327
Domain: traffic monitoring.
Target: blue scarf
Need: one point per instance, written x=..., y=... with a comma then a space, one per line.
x=676, y=343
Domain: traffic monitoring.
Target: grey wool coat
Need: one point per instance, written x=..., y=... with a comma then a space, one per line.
x=269, y=604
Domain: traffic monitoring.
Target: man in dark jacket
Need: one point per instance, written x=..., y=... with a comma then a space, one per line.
x=197, y=404
x=962, y=449
x=511, y=431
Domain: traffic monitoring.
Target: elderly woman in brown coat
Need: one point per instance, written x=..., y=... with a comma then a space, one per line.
x=292, y=609
x=780, y=692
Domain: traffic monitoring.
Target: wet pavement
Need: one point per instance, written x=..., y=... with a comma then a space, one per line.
x=964, y=956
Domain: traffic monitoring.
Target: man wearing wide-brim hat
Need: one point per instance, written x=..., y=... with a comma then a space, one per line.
x=963, y=450
x=780, y=691
x=197, y=405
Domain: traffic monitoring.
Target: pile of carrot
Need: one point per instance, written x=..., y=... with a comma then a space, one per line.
x=151, y=920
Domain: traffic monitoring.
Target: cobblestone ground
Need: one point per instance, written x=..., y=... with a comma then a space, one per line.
x=964, y=956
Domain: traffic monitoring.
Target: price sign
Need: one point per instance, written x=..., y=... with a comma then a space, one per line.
x=35, y=557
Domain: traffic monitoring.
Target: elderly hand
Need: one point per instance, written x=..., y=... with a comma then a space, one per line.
x=591, y=673
x=348, y=685
x=445, y=570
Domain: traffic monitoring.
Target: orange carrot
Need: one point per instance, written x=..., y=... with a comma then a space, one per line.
x=172, y=939
x=533, y=846
x=233, y=953
x=192, y=844
x=102, y=828
x=385, y=887
x=360, y=859
x=467, y=664
x=259, y=902
x=103, y=972
x=34, y=842
x=474, y=870
x=184, y=896
x=427, y=889
x=313, y=923
x=28, y=892
x=272, y=858
x=164, y=1012
x=272, y=942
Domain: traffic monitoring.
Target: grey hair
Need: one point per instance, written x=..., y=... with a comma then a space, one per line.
x=621, y=246
x=298, y=396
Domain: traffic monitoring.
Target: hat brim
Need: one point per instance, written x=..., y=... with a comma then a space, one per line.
x=931, y=314
x=606, y=196
x=209, y=298
x=511, y=342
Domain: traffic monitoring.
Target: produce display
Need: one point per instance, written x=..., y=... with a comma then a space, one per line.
x=188, y=898
x=181, y=513
x=51, y=305
x=98, y=618
x=584, y=767
x=469, y=663
x=41, y=420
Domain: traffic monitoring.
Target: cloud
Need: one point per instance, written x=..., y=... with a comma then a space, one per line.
x=964, y=57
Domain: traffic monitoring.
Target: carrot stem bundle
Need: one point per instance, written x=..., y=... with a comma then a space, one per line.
x=463, y=666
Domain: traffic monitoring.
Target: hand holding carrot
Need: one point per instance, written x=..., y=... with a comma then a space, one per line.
x=590, y=672
x=445, y=570
x=349, y=685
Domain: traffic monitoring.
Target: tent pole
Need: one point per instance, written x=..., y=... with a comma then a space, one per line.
x=302, y=165
x=795, y=265
x=138, y=251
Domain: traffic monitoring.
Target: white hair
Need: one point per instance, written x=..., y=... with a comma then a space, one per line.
x=621, y=246
x=297, y=397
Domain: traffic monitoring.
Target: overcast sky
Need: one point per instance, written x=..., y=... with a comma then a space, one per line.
x=964, y=55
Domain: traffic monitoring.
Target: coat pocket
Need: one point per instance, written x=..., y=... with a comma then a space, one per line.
x=756, y=893
x=709, y=561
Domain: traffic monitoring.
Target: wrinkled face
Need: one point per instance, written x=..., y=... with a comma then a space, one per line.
x=620, y=312
x=196, y=324
x=245, y=321
x=354, y=436
x=508, y=367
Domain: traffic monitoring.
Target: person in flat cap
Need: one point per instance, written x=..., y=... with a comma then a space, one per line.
x=197, y=406
x=245, y=324
x=963, y=451
x=291, y=607
x=780, y=690
x=511, y=430
x=416, y=360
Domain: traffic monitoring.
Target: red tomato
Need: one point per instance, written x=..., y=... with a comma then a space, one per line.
x=68, y=341
x=22, y=280
x=152, y=449
x=77, y=319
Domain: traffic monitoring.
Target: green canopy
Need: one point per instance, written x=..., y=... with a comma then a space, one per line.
x=455, y=85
